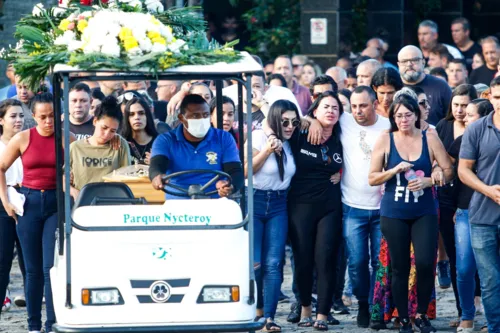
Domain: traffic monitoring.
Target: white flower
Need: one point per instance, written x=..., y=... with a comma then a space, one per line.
x=154, y=6
x=145, y=44
x=176, y=46
x=58, y=11
x=38, y=10
x=158, y=48
x=65, y=38
x=111, y=47
x=75, y=45
x=136, y=51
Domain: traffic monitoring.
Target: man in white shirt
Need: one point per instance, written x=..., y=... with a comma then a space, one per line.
x=360, y=201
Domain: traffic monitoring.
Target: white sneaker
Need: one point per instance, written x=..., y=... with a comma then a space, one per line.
x=34, y=332
x=7, y=303
x=20, y=301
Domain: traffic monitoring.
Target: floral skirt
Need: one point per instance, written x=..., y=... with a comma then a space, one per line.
x=384, y=309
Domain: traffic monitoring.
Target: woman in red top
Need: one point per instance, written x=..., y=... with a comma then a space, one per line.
x=37, y=225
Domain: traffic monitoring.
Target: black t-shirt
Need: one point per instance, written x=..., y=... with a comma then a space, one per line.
x=83, y=131
x=138, y=152
x=439, y=95
x=447, y=194
x=464, y=192
x=482, y=75
x=469, y=54
x=315, y=165
x=160, y=110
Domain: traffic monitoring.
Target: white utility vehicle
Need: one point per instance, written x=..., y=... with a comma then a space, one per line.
x=123, y=265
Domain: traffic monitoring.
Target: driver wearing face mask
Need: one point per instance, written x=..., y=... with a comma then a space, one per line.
x=196, y=145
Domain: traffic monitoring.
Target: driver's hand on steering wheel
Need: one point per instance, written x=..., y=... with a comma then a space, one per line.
x=224, y=188
x=157, y=182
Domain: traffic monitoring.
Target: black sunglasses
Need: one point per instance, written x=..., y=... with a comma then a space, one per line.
x=286, y=123
x=326, y=159
x=423, y=102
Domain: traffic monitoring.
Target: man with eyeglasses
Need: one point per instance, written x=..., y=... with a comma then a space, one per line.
x=360, y=201
x=298, y=62
x=411, y=68
x=195, y=144
x=165, y=90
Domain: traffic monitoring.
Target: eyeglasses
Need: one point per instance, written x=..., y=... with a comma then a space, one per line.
x=326, y=159
x=412, y=61
x=286, y=123
x=126, y=97
x=424, y=103
x=405, y=116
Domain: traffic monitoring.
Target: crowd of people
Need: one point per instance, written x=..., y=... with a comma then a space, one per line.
x=386, y=172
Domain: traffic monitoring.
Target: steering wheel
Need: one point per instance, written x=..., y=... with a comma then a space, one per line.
x=194, y=190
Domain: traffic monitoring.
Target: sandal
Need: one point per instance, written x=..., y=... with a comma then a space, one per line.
x=320, y=325
x=271, y=326
x=484, y=328
x=331, y=320
x=306, y=322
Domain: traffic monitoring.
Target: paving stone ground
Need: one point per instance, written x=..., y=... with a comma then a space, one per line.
x=14, y=321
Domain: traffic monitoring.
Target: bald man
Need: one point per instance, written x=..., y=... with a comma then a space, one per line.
x=382, y=48
x=411, y=68
x=339, y=75
x=366, y=70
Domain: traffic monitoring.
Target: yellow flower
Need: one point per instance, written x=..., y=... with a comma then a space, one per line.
x=155, y=21
x=159, y=40
x=34, y=53
x=153, y=34
x=125, y=33
x=37, y=46
x=129, y=43
x=166, y=62
x=64, y=24
x=82, y=24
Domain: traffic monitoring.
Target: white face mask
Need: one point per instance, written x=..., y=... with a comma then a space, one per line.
x=198, y=127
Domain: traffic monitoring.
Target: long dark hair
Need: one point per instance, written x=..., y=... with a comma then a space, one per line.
x=315, y=105
x=408, y=102
x=150, y=129
x=461, y=90
x=274, y=121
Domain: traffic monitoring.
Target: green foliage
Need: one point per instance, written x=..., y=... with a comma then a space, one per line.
x=274, y=27
x=186, y=19
x=359, y=25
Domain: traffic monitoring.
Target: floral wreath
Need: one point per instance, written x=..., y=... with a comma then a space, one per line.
x=122, y=35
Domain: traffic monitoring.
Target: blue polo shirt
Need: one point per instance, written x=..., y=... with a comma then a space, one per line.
x=218, y=147
x=481, y=143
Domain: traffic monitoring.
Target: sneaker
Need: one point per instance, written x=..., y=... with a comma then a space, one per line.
x=443, y=273
x=405, y=326
x=294, y=315
x=20, y=301
x=340, y=308
x=283, y=298
x=7, y=303
x=363, y=318
x=423, y=325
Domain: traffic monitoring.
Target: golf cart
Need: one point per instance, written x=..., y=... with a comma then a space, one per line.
x=123, y=265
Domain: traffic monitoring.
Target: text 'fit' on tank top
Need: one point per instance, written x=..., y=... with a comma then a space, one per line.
x=398, y=201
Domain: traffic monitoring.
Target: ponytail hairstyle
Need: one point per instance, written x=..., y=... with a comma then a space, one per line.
x=109, y=108
x=274, y=121
x=41, y=98
x=484, y=106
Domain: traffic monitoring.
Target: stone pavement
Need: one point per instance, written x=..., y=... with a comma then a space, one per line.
x=14, y=321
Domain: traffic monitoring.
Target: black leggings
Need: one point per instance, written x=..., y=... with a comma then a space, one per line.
x=315, y=231
x=447, y=229
x=423, y=233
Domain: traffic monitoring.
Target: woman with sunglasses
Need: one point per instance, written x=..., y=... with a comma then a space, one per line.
x=424, y=106
x=95, y=157
x=273, y=171
x=315, y=210
x=402, y=160
x=139, y=130
x=449, y=129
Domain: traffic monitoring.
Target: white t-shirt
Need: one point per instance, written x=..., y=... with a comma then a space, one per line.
x=273, y=93
x=14, y=174
x=268, y=177
x=455, y=53
x=357, y=145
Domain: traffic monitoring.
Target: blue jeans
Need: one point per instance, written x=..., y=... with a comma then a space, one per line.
x=270, y=234
x=486, y=245
x=37, y=231
x=362, y=238
x=466, y=265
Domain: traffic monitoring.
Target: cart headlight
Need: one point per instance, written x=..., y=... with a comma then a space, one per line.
x=101, y=296
x=219, y=294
